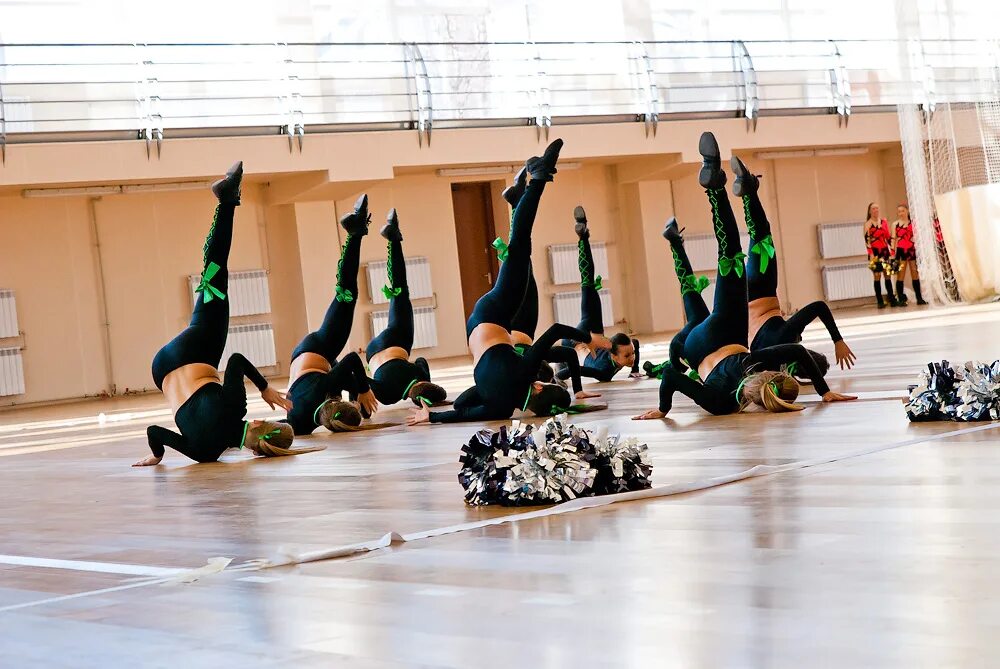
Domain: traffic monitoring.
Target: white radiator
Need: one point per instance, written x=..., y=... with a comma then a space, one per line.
x=11, y=372
x=425, y=333
x=841, y=240
x=566, y=307
x=847, y=282
x=564, y=265
x=256, y=342
x=8, y=315
x=249, y=293
x=418, y=278
x=703, y=251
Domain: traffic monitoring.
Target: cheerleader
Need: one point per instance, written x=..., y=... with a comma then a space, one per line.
x=878, y=241
x=905, y=254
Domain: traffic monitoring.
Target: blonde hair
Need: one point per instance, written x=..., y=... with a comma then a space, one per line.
x=774, y=391
x=272, y=440
x=337, y=415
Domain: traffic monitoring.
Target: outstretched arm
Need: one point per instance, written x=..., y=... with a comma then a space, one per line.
x=158, y=437
x=537, y=352
x=811, y=312
x=468, y=406
x=773, y=357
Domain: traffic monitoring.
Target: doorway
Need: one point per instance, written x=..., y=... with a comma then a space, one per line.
x=475, y=232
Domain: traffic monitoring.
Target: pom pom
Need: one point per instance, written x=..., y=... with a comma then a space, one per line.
x=947, y=392
x=555, y=463
x=978, y=392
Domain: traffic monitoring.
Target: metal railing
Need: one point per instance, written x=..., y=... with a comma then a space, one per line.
x=156, y=91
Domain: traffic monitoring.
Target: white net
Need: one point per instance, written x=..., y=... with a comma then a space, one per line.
x=955, y=146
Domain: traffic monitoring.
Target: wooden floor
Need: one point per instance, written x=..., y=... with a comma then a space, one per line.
x=885, y=559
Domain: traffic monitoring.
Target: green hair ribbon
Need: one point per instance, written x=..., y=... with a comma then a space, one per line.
x=791, y=368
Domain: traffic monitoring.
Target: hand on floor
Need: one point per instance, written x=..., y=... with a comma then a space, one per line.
x=418, y=416
x=583, y=394
x=831, y=396
x=652, y=414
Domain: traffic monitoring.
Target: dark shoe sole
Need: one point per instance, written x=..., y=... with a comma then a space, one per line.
x=711, y=174
x=744, y=183
x=390, y=230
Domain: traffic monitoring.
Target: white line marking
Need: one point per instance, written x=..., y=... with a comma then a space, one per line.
x=95, y=567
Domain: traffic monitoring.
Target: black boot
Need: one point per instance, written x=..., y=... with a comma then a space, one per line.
x=744, y=183
x=581, y=223
x=889, y=292
x=356, y=222
x=391, y=228
x=711, y=175
x=544, y=168
x=227, y=189
x=916, y=291
x=514, y=192
x=671, y=233
x=901, y=297
x=878, y=294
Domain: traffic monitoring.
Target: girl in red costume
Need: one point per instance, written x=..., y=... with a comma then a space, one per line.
x=878, y=240
x=905, y=253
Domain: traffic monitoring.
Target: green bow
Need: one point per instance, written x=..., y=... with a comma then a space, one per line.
x=694, y=284
x=343, y=294
x=765, y=249
x=727, y=265
x=502, y=249
x=391, y=292
x=273, y=433
x=693, y=374
x=791, y=368
x=598, y=282
x=208, y=291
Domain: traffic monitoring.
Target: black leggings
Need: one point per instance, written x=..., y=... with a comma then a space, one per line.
x=399, y=331
x=729, y=321
x=695, y=309
x=591, y=316
x=204, y=339
x=331, y=337
x=760, y=282
x=499, y=305
x=526, y=318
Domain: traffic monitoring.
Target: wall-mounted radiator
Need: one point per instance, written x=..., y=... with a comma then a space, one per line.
x=8, y=314
x=11, y=372
x=418, y=278
x=424, y=326
x=564, y=264
x=841, y=240
x=566, y=307
x=255, y=341
x=249, y=293
x=847, y=282
x=703, y=251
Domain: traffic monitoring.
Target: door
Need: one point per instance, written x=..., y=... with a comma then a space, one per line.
x=475, y=231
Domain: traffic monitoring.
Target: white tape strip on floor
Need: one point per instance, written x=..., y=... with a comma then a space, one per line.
x=287, y=558
x=84, y=565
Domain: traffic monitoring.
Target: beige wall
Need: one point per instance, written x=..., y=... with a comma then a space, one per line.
x=150, y=243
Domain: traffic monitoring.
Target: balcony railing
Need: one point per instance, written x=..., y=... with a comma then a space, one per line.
x=154, y=91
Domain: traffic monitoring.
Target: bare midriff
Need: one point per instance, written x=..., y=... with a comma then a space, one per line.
x=520, y=338
x=484, y=337
x=713, y=359
x=305, y=363
x=382, y=357
x=761, y=311
x=180, y=384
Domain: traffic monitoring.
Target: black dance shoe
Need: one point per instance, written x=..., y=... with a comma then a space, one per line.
x=711, y=175
x=391, y=228
x=227, y=189
x=356, y=222
x=744, y=182
x=671, y=233
x=581, y=223
x=514, y=192
x=544, y=168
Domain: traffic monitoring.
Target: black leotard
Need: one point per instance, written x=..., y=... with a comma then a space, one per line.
x=504, y=378
x=394, y=378
x=779, y=330
x=313, y=388
x=211, y=420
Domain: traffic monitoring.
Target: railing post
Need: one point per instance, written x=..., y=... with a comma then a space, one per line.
x=543, y=97
x=750, y=102
x=419, y=87
x=3, y=129
x=647, y=87
x=841, y=87
x=149, y=104
x=291, y=100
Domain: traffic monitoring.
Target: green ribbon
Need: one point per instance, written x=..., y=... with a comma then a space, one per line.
x=273, y=433
x=694, y=284
x=391, y=292
x=693, y=374
x=598, y=282
x=424, y=400
x=555, y=410
x=739, y=388
x=727, y=265
x=502, y=248
x=246, y=426
x=791, y=368
x=765, y=249
x=343, y=294
x=208, y=291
